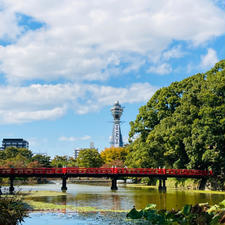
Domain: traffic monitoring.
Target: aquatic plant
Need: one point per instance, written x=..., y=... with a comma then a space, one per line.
x=12, y=210
x=199, y=214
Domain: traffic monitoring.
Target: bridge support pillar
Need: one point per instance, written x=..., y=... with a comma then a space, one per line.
x=162, y=185
x=11, y=187
x=114, y=184
x=64, y=187
x=202, y=184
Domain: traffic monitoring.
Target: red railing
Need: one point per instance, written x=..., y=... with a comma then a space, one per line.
x=102, y=171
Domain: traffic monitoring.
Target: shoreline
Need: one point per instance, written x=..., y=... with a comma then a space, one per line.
x=176, y=189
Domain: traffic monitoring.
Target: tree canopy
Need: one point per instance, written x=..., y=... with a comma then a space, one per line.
x=89, y=158
x=114, y=156
x=183, y=125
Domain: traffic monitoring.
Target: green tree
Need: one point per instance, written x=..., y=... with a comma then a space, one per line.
x=60, y=161
x=72, y=162
x=89, y=158
x=11, y=152
x=42, y=159
x=183, y=125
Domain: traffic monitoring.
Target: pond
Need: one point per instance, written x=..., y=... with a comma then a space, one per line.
x=101, y=197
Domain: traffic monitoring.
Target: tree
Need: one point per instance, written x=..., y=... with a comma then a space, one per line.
x=11, y=152
x=43, y=160
x=114, y=156
x=89, y=158
x=72, y=162
x=60, y=161
x=183, y=125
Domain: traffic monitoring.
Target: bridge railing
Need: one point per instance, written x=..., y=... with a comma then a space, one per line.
x=104, y=171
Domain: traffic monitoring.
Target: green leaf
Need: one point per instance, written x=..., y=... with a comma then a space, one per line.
x=222, y=204
x=215, y=220
x=214, y=208
x=150, y=206
x=186, y=210
x=134, y=214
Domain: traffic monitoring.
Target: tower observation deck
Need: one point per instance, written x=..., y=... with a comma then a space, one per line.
x=116, y=139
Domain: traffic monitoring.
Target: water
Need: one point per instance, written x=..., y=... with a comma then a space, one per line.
x=101, y=197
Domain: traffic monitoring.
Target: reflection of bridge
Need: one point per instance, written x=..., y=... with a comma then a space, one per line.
x=113, y=173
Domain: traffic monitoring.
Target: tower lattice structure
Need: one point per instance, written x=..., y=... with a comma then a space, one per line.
x=116, y=139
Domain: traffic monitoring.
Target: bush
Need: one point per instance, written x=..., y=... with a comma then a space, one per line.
x=12, y=210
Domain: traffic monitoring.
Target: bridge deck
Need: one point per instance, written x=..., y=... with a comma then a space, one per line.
x=102, y=172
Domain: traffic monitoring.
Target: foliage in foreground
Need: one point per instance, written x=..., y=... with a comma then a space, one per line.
x=200, y=214
x=12, y=210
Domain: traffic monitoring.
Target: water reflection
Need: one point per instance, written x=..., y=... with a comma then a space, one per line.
x=125, y=197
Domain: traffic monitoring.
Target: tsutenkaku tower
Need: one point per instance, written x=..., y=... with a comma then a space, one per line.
x=116, y=139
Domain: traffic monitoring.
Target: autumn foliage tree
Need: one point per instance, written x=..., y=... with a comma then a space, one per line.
x=114, y=156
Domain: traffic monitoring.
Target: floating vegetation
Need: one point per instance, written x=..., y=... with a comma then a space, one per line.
x=30, y=194
x=199, y=214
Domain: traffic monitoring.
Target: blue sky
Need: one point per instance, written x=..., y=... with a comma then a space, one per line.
x=64, y=63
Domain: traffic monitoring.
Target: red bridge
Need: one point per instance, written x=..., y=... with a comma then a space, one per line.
x=113, y=173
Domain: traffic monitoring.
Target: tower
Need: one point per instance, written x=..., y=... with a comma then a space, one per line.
x=116, y=139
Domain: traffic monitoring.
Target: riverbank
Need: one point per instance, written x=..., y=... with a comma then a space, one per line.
x=181, y=183
x=145, y=186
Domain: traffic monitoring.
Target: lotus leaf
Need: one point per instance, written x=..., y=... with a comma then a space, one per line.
x=134, y=214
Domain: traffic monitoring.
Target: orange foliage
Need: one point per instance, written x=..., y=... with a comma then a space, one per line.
x=114, y=156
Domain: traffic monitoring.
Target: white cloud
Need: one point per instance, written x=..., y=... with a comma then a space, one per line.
x=74, y=139
x=16, y=116
x=161, y=69
x=209, y=59
x=40, y=102
x=82, y=38
x=175, y=52
x=9, y=29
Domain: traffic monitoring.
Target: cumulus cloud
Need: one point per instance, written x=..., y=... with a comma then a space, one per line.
x=161, y=69
x=82, y=39
x=209, y=59
x=85, y=41
x=39, y=102
x=175, y=52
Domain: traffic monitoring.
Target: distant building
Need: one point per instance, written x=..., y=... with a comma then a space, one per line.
x=14, y=142
x=76, y=153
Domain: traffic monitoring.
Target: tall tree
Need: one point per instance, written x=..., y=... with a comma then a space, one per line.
x=183, y=125
x=60, y=161
x=89, y=158
x=43, y=160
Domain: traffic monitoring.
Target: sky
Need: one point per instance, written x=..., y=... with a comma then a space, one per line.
x=63, y=64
